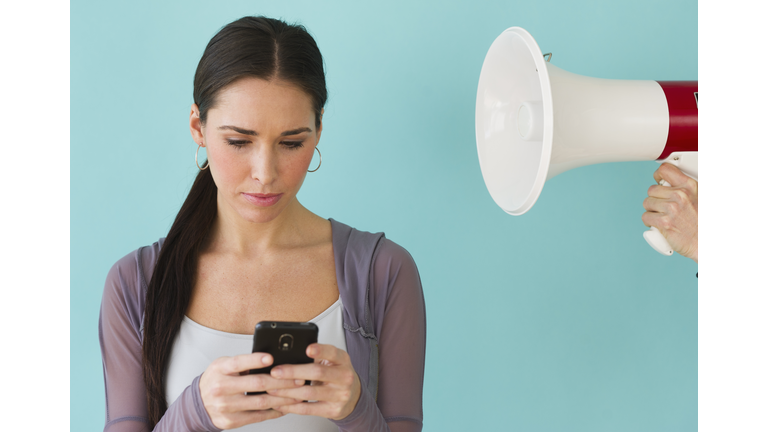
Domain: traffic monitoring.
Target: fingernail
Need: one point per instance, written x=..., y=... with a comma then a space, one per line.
x=298, y=382
x=267, y=359
x=277, y=372
x=312, y=350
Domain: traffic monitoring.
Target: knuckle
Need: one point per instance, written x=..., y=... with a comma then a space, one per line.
x=668, y=167
x=346, y=394
x=316, y=371
x=686, y=197
x=348, y=378
x=302, y=408
x=213, y=409
x=230, y=363
x=228, y=423
x=665, y=223
x=217, y=389
x=297, y=408
x=223, y=408
x=646, y=203
x=257, y=382
x=336, y=411
x=219, y=363
x=259, y=403
x=673, y=209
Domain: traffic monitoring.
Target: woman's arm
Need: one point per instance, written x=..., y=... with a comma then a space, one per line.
x=399, y=316
x=120, y=339
x=218, y=392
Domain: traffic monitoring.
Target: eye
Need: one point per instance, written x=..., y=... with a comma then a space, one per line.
x=293, y=144
x=237, y=143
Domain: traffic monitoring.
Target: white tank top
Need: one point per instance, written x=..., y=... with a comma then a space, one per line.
x=196, y=346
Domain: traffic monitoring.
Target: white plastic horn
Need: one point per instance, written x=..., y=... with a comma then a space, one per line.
x=534, y=120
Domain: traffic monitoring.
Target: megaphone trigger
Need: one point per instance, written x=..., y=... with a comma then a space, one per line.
x=657, y=241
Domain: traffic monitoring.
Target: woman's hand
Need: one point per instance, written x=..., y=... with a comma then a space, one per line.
x=335, y=384
x=674, y=210
x=223, y=386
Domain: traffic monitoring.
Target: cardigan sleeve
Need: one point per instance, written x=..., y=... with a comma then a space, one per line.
x=399, y=318
x=120, y=337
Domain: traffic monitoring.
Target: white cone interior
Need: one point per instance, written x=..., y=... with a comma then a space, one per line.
x=513, y=121
x=534, y=121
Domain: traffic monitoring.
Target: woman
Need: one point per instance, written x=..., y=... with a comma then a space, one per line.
x=177, y=317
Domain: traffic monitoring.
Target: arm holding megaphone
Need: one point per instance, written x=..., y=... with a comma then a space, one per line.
x=672, y=209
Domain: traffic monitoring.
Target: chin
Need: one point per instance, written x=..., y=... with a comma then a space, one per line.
x=255, y=214
x=260, y=216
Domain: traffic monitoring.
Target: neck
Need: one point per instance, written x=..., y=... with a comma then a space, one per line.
x=233, y=234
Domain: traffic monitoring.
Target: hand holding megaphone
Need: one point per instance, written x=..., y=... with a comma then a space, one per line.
x=672, y=205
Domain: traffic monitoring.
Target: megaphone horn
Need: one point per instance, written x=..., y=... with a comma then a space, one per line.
x=534, y=121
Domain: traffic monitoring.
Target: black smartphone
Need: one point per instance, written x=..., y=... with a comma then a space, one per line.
x=287, y=342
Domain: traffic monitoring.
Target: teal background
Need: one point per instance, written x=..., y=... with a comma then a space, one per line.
x=562, y=319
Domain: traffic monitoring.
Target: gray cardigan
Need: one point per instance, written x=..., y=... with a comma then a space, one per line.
x=384, y=322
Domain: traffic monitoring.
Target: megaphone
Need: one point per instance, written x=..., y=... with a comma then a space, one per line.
x=534, y=121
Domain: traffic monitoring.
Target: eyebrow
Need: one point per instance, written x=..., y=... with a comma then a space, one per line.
x=296, y=131
x=254, y=133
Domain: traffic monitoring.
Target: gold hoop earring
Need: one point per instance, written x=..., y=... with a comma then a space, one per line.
x=206, y=160
x=320, y=163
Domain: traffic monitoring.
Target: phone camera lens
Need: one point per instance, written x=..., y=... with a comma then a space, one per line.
x=285, y=343
x=273, y=325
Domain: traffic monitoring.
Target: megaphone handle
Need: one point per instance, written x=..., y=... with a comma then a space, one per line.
x=655, y=239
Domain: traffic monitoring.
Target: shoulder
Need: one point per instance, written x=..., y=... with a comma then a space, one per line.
x=390, y=253
x=136, y=267
x=346, y=238
x=127, y=280
x=393, y=269
x=366, y=248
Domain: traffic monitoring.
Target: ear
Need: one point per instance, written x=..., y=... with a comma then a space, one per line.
x=195, y=126
x=320, y=127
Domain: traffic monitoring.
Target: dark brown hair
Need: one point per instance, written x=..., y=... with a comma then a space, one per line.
x=249, y=47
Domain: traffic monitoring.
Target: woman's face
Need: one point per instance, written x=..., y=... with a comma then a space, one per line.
x=260, y=137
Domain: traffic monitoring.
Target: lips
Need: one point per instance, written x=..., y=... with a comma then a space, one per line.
x=262, y=200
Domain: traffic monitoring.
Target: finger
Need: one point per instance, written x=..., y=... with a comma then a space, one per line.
x=671, y=174
x=320, y=409
x=658, y=220
x=305, y=408
x=314, y=372
x=328, y=352
x=671, y=200
x=244, y=362
x=653, y=204
x=258, y=382
x=658, y=191
x=260, y=402
x=323, y=393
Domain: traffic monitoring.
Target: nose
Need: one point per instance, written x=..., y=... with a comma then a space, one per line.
x=264, y=164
